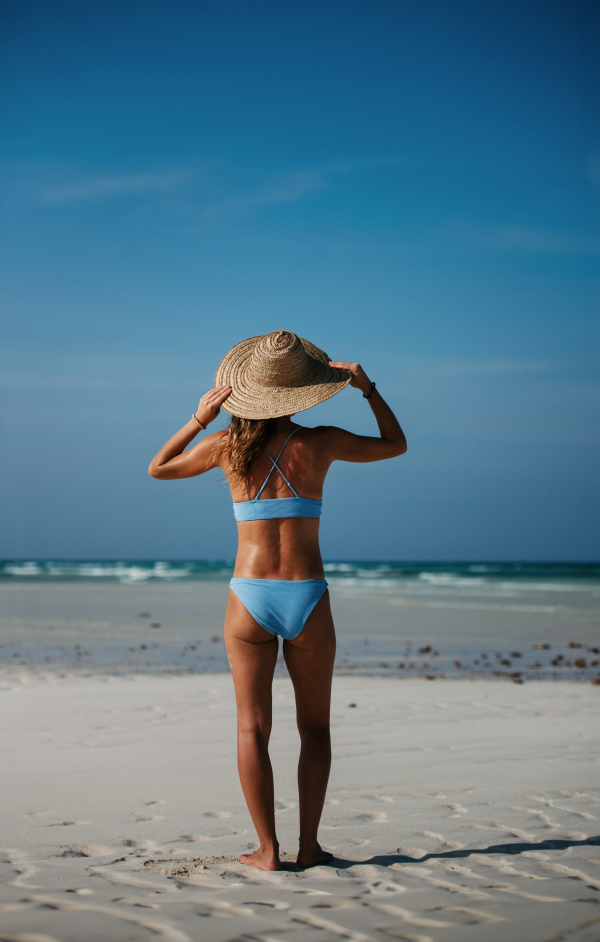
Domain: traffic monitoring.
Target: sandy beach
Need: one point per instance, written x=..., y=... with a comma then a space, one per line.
x=464, y=810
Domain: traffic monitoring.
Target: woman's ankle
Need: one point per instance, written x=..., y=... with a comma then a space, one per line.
x=269, y=847
x=307, y=844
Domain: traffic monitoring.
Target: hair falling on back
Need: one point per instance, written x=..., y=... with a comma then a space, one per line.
x=245, y=443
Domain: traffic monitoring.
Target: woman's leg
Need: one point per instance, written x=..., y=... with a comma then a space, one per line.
x=309, y=659
x=252, y=653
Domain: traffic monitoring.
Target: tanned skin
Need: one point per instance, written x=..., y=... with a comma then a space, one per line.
x=286, y=548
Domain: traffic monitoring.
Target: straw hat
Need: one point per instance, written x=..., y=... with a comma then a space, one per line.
x=277, y=374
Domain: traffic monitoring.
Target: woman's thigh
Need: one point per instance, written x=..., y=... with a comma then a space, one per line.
x=252, y=654
x=309, y=659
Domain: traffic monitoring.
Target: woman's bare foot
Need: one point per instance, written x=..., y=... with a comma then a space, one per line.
x=312, y=855
x=262, y=859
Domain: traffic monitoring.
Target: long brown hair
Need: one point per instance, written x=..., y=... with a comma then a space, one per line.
x=244, y=443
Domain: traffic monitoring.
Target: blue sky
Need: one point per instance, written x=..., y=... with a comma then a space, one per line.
x=415, y=185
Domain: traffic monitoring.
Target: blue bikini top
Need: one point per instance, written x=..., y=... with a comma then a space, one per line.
x=273, y=508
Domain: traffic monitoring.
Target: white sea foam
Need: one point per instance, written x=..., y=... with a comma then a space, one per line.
x=24, y=570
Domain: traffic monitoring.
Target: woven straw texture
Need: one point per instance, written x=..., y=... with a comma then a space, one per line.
x=277, y=374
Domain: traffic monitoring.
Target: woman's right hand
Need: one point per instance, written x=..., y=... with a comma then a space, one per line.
x=211, y=402
x=359, y=378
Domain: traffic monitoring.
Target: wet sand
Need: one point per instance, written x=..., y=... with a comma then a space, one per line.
x=382, y=627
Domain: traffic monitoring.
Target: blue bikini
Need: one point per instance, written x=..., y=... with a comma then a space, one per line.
x=280, y=606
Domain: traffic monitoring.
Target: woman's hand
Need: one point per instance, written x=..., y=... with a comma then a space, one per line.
x=359, y=378
x=211, y=402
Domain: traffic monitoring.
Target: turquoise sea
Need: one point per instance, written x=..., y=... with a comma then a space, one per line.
x=386, y=574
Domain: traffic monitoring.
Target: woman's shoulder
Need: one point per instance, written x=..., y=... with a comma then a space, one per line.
x=321, y=431
x=322, y=438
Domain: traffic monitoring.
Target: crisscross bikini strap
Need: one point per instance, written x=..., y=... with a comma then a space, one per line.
x=275, y=465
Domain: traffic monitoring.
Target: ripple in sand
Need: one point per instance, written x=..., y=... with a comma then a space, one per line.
x=476, y=916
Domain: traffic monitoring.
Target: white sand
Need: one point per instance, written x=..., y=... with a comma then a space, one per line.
x=457, y=810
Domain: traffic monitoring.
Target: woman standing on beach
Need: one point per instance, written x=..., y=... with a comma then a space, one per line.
x=278, y=586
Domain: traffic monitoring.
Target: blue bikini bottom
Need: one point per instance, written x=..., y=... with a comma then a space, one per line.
x=280, y=606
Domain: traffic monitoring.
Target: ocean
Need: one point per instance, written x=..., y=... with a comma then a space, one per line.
x=384, y=574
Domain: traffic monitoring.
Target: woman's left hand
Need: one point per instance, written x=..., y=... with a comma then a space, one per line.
x=211, y=402
x=359, y=378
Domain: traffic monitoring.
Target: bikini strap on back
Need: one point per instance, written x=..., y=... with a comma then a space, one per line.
x=275, y=465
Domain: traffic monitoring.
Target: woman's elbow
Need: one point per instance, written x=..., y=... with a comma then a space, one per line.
x=155, y=471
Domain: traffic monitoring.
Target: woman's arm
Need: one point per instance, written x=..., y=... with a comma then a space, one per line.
x=172, y=461
x=345, y=446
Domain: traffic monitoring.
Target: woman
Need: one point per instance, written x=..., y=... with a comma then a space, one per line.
x=278, y=586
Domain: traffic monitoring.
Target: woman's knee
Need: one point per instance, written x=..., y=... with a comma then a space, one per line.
x=315, y=731
x=257, y=725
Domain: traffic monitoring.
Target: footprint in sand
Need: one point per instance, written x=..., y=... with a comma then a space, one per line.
x=85, y=850
x=139, y=845
x=374, y=817
x=217, y=814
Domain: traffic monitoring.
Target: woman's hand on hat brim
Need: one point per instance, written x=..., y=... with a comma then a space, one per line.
x=211, y=402
x=359, y=378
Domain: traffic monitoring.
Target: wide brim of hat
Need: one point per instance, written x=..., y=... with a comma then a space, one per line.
x=251, y=400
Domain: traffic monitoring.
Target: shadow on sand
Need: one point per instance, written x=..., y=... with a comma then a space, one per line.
x=386, y=860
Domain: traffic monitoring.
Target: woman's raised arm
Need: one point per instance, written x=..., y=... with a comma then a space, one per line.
x=345, y=446
x=172, y=461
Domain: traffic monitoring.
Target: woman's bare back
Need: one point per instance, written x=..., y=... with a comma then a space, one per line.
x=283, y=548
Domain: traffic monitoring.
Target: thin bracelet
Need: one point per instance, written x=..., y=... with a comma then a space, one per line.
x=203, y=427
x=370, y=393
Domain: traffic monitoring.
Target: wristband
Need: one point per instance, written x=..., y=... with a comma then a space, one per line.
x=203, y=427
x=370, y=393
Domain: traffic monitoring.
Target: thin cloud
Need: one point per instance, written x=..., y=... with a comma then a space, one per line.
x=293, y=186
x=103, y=186
x=72, y=186
x=285, y=188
